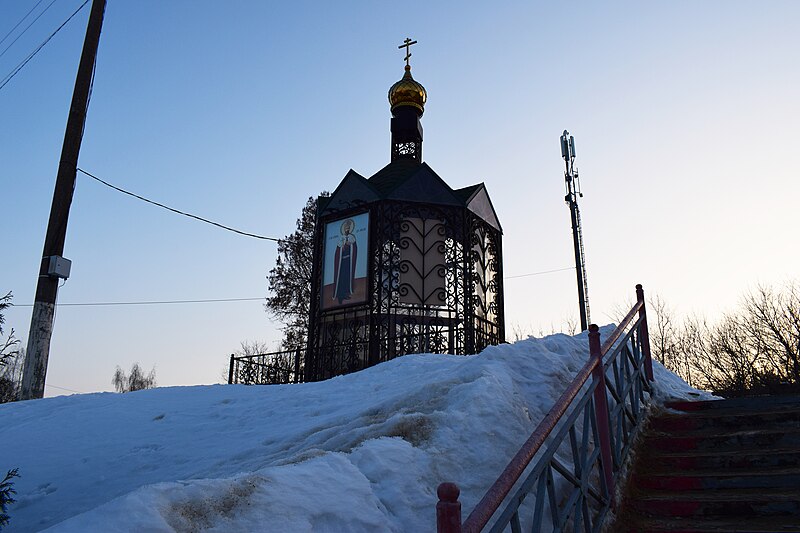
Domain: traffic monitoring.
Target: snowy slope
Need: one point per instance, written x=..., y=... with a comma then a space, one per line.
x=363, y=452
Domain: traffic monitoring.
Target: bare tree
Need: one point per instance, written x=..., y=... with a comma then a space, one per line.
x=11, y=377
x=247, y=348
x=663, y=331
x=667, y=338
x=666, y=334
x=568, y=326
x=261, y=366
x=520, y=333
x=253, y=348
x=754, y=350
x=136, y=380
x=11, y=357
x=774, y=318
x=8, y=348
x=717, y=359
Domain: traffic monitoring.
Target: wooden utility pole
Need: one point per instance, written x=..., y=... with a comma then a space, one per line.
x=53, y=266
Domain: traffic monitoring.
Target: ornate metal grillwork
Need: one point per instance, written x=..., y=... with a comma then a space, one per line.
x=435, y=286
x=267, y=368
x=407, y=150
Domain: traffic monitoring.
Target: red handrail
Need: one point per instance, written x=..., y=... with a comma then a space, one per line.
x=617, y=333
x=482, y=512
x=494, y=497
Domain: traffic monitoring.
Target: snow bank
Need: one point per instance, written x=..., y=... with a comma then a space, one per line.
x=363, y=452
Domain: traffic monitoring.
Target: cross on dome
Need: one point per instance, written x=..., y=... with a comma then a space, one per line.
x=407, y=45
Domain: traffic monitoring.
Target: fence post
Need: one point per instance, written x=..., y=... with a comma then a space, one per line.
x=297, y=366
x=601, y=410
x=448, y=510
x=230, y=371
x=644, y=335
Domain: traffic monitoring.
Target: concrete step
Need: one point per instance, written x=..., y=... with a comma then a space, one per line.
x=725, y=465
x=733, y=462
x=722, y=504
x=757, y=403
x=787, y=478
x=699, y=422
x=750, y=524
x=767, y=439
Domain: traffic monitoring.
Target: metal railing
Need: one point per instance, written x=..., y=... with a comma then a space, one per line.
x=267, y=368
x=581, y=445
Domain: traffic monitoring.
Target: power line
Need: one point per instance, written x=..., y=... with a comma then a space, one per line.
x=64, y=388
x=19, y=67
x=539, y=273
x=154, y=302
x=216, y=300
x=26, y=27
x=201, y=219
x=21, y=21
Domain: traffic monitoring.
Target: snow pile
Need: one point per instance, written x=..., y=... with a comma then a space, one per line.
x=363, y=452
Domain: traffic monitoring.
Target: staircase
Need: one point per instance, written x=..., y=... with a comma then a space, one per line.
x=726, y=465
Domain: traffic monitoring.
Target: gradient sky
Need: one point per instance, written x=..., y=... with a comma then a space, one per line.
x=685, y=116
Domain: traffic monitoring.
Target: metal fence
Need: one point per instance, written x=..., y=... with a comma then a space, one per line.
x=267, y=368
x=581, y=445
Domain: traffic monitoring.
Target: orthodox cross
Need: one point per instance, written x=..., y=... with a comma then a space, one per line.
x=408, y=42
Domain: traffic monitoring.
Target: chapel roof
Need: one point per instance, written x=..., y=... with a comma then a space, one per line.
x=408, y=181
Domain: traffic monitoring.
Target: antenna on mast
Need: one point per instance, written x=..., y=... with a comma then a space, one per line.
x=573, y=189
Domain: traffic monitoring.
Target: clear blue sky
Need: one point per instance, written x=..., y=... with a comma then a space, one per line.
x=685, y=116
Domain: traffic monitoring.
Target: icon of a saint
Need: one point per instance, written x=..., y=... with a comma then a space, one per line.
x=345, y=262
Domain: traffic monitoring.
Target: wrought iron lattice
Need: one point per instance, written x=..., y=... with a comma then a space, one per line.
x=434, y=286
x=407, y=150
x=267, y=368
x=487, y=282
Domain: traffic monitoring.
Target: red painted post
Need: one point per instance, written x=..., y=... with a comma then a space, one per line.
x=601, y=409
x=645, y=335
x=448, y=510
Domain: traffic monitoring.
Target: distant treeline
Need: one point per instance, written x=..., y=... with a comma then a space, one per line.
x=752, y=350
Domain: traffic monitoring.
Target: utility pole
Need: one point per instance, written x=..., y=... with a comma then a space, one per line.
x=53, y=266
x=573, y=192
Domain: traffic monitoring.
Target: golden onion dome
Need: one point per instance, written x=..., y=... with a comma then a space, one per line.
x=408, y=92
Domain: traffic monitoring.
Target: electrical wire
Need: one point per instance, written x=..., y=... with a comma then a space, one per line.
x=539, y=273
x=26, y=27
x=21, y=21
x=201, y=219
x=154, y=302
x=63, y=388
x=216, y=300
x=19, y=67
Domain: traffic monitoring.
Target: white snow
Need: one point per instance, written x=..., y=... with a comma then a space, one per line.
x=362, y=452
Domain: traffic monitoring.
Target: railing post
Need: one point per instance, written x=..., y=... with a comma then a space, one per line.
x=448, y=510
x=645, y=335
x=601, y=410
x=230, y=371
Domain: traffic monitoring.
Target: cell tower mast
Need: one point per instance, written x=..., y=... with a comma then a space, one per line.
x=573, y=186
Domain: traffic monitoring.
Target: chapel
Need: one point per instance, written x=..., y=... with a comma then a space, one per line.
x=403, y=263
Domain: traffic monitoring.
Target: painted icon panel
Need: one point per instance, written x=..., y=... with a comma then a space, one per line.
x=344, y=273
